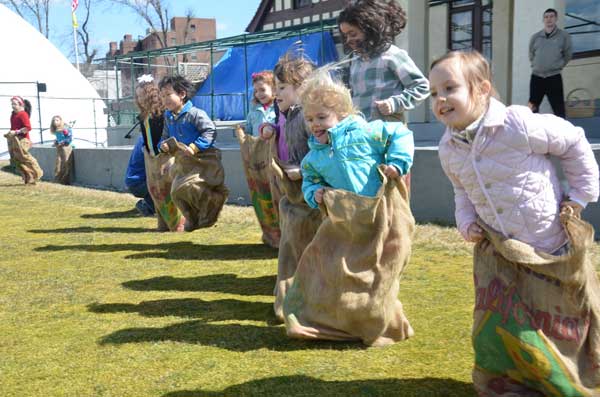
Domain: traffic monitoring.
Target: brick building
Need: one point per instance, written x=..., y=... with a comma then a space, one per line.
x=182, y=31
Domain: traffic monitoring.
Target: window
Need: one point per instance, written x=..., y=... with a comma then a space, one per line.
x=192, y=28
x=582, y=21
x=173, y=40
x=471, y=26
x=302, y=3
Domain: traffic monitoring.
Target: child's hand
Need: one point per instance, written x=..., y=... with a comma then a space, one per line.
x=391, y=172
x=567, y=206
x=319, y=195
x=189, y=151
x=384, y=107
x=294, y=174
x=474, y=233
x=267, y=132
x=164, y=147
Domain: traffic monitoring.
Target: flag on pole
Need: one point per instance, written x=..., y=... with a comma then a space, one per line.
x=74, y=4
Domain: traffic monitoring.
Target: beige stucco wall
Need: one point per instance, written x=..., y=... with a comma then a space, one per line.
x=501, y=47
x=415, y=40
x=438, y=31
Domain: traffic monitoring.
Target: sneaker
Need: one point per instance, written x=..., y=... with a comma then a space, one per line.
x=143, y=208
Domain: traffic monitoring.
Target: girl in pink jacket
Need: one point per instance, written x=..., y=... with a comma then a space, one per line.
x=497, y=158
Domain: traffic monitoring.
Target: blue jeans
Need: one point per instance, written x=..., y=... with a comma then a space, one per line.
x=140, y=190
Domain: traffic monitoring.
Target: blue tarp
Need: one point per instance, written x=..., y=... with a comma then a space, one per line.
x=228, y=74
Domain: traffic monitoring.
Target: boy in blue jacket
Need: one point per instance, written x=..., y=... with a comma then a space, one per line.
x=186, y=123
x=345, y=150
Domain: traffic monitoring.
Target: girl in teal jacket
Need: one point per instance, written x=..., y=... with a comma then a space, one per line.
x=345, y=150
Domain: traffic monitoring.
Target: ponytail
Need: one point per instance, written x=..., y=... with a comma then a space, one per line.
x=27, y=107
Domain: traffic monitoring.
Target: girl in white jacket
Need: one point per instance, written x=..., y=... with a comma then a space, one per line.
x=497, y=157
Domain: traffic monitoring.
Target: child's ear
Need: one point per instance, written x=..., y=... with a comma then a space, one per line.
x=485, y=88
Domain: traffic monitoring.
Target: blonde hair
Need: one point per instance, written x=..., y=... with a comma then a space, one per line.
x=266, y=76
x=475, y=70
x=53, y=126
x=320, y=90
x=151, y=103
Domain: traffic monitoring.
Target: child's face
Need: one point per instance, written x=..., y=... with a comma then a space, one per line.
x=319, y=121
x=451, y=100
x=263, y=92
x=16, y=106
x=57, y=122
x=172, y=100
x=286, y=95
x=353, y=36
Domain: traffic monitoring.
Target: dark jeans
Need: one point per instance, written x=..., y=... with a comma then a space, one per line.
x=141, y=191
x=552, y=87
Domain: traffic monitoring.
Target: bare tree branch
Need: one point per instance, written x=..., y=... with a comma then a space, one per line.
x=189, y=15
x=36, y=11
x=154, y=13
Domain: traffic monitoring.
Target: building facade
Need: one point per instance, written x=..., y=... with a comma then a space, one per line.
x=182, y=31
x=500, y=29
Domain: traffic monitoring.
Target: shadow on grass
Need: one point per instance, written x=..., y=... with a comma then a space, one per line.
x=226, y=283
x=217, y=310
x=132, y=213
x=300, y=385
x=234, y=337
x=88, y=229
x=10, y=169
x=183, y=250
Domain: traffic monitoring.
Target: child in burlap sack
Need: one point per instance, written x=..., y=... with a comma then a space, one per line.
x=536, y=329
x=289, y=144
x=198, y=188
x=63, y=167
x=347, y=282
x=159, y=166
x=345, y=149
x=19, y=141
x=256, y=157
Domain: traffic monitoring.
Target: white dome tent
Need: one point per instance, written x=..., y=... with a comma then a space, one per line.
x=32, y=59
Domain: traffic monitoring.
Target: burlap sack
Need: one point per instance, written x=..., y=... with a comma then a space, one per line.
x=198, y=188
x=24, y=161
x=160, y=171
x=347, y=282
x=298, y=223
x=256, y=158
x=63, y=167
x=536, y=319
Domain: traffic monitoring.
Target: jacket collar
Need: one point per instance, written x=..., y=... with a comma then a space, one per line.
x=349, y=123
x=188, y=105
x=542, y=33
x=495, y=115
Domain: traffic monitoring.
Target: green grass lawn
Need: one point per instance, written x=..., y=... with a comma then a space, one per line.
x=94, y=302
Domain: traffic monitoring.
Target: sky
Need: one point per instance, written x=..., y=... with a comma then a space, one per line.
x=110, y=22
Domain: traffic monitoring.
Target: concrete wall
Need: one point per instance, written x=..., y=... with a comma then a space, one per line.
x=106, y=167
x=432, y=197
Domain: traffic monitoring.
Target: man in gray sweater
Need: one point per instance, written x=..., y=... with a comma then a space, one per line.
x=549, y=52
